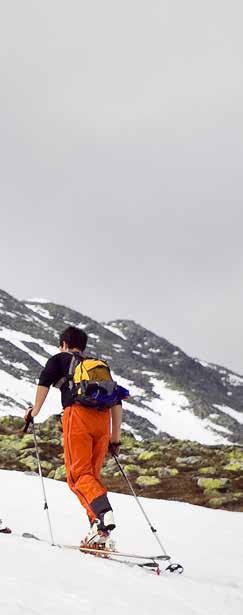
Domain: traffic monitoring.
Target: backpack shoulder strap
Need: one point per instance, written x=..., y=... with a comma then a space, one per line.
x=75, y=360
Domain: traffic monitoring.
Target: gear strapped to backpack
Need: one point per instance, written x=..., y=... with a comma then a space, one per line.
x=91, y=384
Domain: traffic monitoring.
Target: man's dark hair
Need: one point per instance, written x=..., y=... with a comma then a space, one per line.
x=74, y=338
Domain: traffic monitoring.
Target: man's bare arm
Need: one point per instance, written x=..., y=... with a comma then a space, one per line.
x=116, y=419
x=40, y=397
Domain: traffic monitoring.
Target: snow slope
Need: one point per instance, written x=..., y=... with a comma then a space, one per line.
x=169, y=411
x=38, y=579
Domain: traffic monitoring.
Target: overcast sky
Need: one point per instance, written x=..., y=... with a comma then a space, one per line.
x=121, y=163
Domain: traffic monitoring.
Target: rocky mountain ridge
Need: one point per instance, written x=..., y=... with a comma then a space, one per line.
x=172, y=394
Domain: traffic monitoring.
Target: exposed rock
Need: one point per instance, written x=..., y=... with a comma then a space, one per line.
x=210, y=493
x=164, y=472
x=28, y=462
x=235, y=454
x=147, y=481
x=208, y=471
x=133, y=469
x=220, y=501
x=149, y=456
x=47, y=466
x=188, y=461
x=60, y=473
x=212, y=483
x=234, y=466
x=52, y=475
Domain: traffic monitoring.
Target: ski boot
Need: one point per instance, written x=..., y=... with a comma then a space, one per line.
x=98, y=536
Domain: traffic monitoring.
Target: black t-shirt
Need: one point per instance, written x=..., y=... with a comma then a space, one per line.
x=56, y=368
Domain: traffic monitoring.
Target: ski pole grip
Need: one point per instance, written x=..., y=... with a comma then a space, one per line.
x=29, y=420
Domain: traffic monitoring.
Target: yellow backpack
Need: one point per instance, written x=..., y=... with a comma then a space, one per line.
x=91, y=383
x=91, y=369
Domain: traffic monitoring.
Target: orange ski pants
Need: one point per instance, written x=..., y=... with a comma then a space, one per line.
x=86, y=434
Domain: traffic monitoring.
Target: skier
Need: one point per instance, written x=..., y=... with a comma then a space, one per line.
x=3, y=528
x=86, y=435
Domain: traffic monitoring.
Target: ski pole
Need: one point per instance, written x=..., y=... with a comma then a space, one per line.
x=43, y=486
x=28, y=421
x=153, y=530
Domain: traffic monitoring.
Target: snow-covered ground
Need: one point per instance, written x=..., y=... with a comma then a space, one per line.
x=23, y=392
x=231, y=412
x=114, y=329
x=170, y=412
x=38, y=579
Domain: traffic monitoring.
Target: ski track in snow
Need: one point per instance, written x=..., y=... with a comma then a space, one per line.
x=38, y=579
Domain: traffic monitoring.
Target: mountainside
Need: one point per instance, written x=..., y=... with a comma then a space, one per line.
x=171, y=393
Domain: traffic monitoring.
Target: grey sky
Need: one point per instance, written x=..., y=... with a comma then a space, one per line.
x=121, y=163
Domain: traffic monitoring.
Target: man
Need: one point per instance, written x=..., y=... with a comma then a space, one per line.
x=86, y=436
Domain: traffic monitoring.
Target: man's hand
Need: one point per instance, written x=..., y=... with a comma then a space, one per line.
x=31, y=410
x=28, y=417
x=114, y=448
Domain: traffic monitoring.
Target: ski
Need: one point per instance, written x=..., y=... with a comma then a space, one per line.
x=148, y=566
x=113, y=552
x=150, y=563
x=147, y=562
x=28, y=535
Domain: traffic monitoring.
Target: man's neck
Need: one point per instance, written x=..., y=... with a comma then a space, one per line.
x=75, y=350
